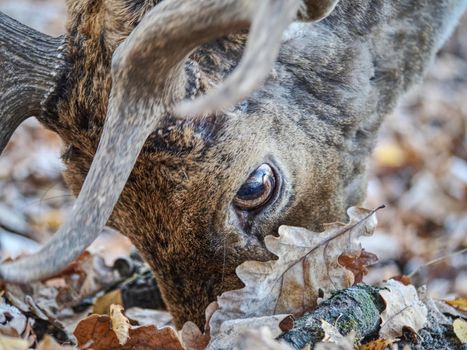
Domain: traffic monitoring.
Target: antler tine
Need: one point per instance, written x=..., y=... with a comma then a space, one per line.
x=148, y=72
x=29, y=65
x=269, y=20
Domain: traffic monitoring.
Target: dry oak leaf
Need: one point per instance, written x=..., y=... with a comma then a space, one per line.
x=403, y=310
x=95, y=332
x=307, y=267
x=460, y=329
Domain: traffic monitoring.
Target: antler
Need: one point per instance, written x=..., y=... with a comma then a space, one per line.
x=148, y=72
x=29, y=64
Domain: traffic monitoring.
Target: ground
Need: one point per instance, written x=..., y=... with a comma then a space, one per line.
x=419, y=170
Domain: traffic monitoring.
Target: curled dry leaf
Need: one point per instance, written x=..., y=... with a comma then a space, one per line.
x=10, y=343
x=120, y=324
x=460, y=329
x=357, y=262
x=307, y=265
x=192, y=337
x=403, y=310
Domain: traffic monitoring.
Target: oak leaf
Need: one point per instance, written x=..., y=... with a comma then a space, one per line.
x=307, y=268
x=95, y=332
x=460, y=329
x=403, y=310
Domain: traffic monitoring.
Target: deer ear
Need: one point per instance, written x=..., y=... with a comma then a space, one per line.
x=30, y=64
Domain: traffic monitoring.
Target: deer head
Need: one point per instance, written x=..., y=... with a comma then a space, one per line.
x=197, y=139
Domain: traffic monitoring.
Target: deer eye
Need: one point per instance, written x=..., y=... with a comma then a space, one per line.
x=257, y=190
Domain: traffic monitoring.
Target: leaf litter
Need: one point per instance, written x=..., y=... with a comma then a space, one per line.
x=421, y=175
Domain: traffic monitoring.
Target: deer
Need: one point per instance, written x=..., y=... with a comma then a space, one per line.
x=197, y=128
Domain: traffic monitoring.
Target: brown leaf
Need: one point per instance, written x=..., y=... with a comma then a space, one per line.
x=95, y=332
x=307, y=264
x=191, y=335
x=357, y=262
x=404, y=279
x=403, y=310
x=378, y=344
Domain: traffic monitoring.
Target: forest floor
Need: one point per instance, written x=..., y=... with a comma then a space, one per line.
x=418, y=170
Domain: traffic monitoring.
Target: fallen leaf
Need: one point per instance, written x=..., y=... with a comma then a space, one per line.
x=307, y=266
x=403, y=310
x=433, y=307
x=95, y=332
x=390, y=155
x=49, y=343
x=11, y=317
x=378, y=344
x=145, y=317
x=102, y=304
x=358, y=262
x=261, y=339
x=10, y=343
x=120, y=323
x=460, y=329
x=459, y=303
x=191, y=335
x=231, y=332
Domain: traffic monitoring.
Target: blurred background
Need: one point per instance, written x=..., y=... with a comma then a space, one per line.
x=419, y=170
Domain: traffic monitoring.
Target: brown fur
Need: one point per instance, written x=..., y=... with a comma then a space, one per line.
x=315, y=120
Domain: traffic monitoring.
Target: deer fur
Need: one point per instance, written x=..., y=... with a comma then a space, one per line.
x=315, y=119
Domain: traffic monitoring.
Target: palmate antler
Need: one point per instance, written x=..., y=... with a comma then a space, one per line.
x=148, y=73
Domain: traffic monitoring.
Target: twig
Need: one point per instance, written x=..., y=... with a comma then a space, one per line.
x=435, y=261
